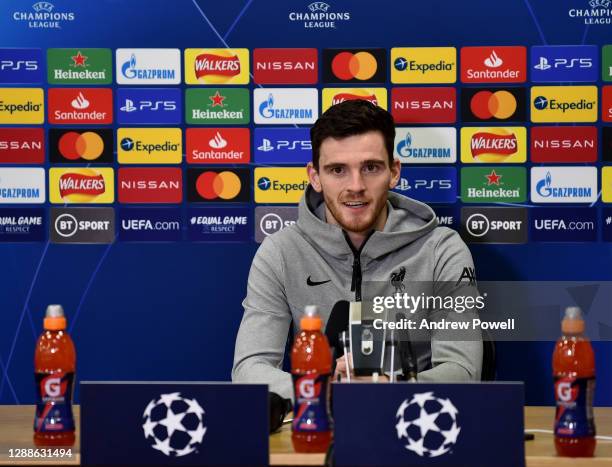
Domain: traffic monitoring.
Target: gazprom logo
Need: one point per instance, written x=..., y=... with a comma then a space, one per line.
x=403, y=147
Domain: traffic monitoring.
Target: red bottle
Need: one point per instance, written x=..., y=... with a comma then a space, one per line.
x=574, y=373
x=54, y=366
x=311, y=365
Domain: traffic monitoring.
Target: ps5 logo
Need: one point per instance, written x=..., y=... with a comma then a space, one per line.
x=267, y=146
x=146, y=105
x=564, y=63
x=441, y=184
x=16, y=65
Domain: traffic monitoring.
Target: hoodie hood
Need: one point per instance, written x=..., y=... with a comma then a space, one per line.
x=407, y=221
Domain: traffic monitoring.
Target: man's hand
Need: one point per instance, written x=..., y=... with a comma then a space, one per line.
x=341, y=370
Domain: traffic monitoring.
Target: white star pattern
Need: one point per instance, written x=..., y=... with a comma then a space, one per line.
x=148, y=428
x=418, y=442
x=163, y=446
x=172, y=422
x=416, y=446
x=147, y=412
x=194, y=407
x=426, y=422
x=168, y=399
x=198, y=434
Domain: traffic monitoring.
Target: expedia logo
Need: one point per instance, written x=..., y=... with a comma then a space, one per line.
x=22, y=106
x=149, y=145
x=542, y=103
x=564, y=104
x=424, y=65
x=280, y=185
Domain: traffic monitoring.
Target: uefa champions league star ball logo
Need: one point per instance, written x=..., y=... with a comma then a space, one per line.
x=174, y=424
x=428, y=424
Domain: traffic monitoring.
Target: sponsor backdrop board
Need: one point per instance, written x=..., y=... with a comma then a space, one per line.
x=176, y=144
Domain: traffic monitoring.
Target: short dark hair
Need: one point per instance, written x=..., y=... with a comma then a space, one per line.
x=352, y=117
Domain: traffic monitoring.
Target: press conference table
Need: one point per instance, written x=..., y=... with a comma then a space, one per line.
x=16, y=433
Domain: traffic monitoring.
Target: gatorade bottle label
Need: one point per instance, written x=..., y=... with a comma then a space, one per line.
x=311, y=403
x=574, y=417
x=54, y=402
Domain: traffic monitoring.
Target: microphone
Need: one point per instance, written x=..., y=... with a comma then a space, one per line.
x=337, y=322
x=409, y=368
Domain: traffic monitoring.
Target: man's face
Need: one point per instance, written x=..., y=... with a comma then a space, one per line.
x=354, y=177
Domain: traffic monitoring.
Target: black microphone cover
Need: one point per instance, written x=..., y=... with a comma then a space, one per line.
x=338, y=321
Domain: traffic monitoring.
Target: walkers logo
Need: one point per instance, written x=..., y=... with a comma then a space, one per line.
x=436, y=145
x=22, y=106
x=564, y=63
x=282, y=146
x=271, y=219
x=148, y=66
x=22, y=224
x=493, y=104
x=606, y=184
x=217, y=66
x=597, y=12
x=493, y=184
x=22, y=145
x=82, y=225
x=21, y=66
x=429, y=185
x=424, y=105
x=319, y=16
x=150, y=185
x=149, y=145
x=138, y=106
x=564, y=144
x=79, y=66
x=354, y=66
x=217, y=106
x=22, y=186
x=493, y=144
x=333, y=96
x=499, y=64
x=423, y=65
x=280, y=185
x=606, y=63
x=606, y=144
x=149, y=225
x=220, y=224
x=563, y=225
x=44, y=15
x=285, y=106
x=71, y=185
x=494, y=225
x=606, y=104
x=218, y=145
x=563, y=184
x=218, y=185
x=78, y=145
x=285, y=66
x=80, y=106
x=563, y=104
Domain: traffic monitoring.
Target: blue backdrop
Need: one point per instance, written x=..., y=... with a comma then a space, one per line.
x=171, y=311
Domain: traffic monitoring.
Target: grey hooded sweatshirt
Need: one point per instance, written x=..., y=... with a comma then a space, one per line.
x=289, y=262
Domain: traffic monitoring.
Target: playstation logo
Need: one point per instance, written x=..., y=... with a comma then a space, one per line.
x=129, y=106
x=266, y=146
x=543, y=64
x=400, y=63
x=540, y=102
x=127, y=144
x=264, y=183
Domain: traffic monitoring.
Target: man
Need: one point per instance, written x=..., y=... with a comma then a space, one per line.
x=350, y=229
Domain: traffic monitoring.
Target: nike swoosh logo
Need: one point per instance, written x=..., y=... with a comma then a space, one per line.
x=313, y=283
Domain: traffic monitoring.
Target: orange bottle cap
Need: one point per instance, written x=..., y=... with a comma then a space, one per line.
x=55, y=324
x=311, y=321
x=572, y=323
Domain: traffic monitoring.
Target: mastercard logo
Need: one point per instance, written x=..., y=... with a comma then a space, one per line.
x=361, y=66
x=88, y=145
x=499, y=104
x=214, y=185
